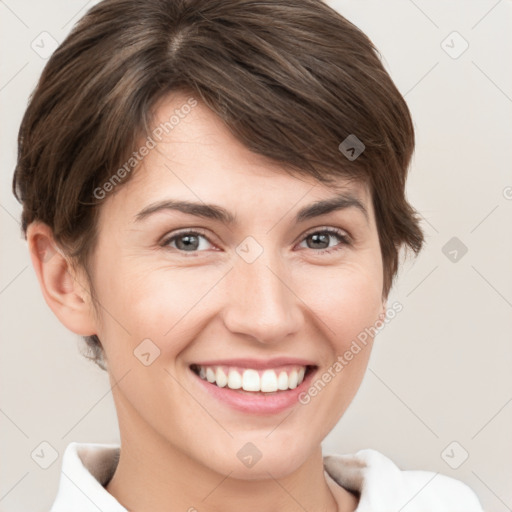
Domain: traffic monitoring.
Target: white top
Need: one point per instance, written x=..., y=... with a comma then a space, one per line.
x=382, y=486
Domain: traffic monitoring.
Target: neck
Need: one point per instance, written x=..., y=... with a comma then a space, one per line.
x=157, y=476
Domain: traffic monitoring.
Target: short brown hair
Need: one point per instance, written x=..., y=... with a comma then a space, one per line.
x=291, y=79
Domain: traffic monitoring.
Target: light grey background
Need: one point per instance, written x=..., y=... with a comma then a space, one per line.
x=440, y=371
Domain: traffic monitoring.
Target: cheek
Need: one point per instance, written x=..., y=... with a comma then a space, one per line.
x=163, y=304
x=347, y=299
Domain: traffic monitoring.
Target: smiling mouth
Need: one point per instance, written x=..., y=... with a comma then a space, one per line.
x=270, y=380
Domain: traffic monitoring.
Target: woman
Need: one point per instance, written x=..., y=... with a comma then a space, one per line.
x=213, y=197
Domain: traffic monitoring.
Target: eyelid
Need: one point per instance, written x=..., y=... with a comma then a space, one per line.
x=342, y=233
x=332, y=229
x=345, y=239
x=168, y=237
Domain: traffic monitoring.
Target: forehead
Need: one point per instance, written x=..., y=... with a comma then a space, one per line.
x=193, y=156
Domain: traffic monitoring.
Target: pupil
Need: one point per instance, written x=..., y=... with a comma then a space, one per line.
x=191, y=242
x=322, y=238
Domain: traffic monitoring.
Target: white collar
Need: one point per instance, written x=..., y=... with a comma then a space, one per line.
x=87, y=467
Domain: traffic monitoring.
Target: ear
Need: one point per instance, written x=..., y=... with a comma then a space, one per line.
x=64, y=291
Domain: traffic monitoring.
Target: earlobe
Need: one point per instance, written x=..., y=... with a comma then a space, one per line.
x=64, y=292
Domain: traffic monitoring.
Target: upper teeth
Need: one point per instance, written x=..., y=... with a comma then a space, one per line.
x=248, y=379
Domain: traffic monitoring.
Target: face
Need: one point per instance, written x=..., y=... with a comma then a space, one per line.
x=251, y=286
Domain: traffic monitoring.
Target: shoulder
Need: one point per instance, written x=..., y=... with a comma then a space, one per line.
x=383, y=486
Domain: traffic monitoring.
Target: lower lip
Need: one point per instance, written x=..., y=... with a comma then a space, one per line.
x=253, y=402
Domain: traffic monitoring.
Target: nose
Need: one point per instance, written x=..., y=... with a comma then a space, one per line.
x=260, y=301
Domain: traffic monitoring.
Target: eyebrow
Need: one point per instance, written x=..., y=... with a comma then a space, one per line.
x=215, y=212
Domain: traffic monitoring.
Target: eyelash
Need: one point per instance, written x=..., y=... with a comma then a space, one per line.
x=343, y=237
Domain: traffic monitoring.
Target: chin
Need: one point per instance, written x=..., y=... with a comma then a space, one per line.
x=255, y=457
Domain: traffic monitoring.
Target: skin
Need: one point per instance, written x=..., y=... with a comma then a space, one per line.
x=295, y=300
